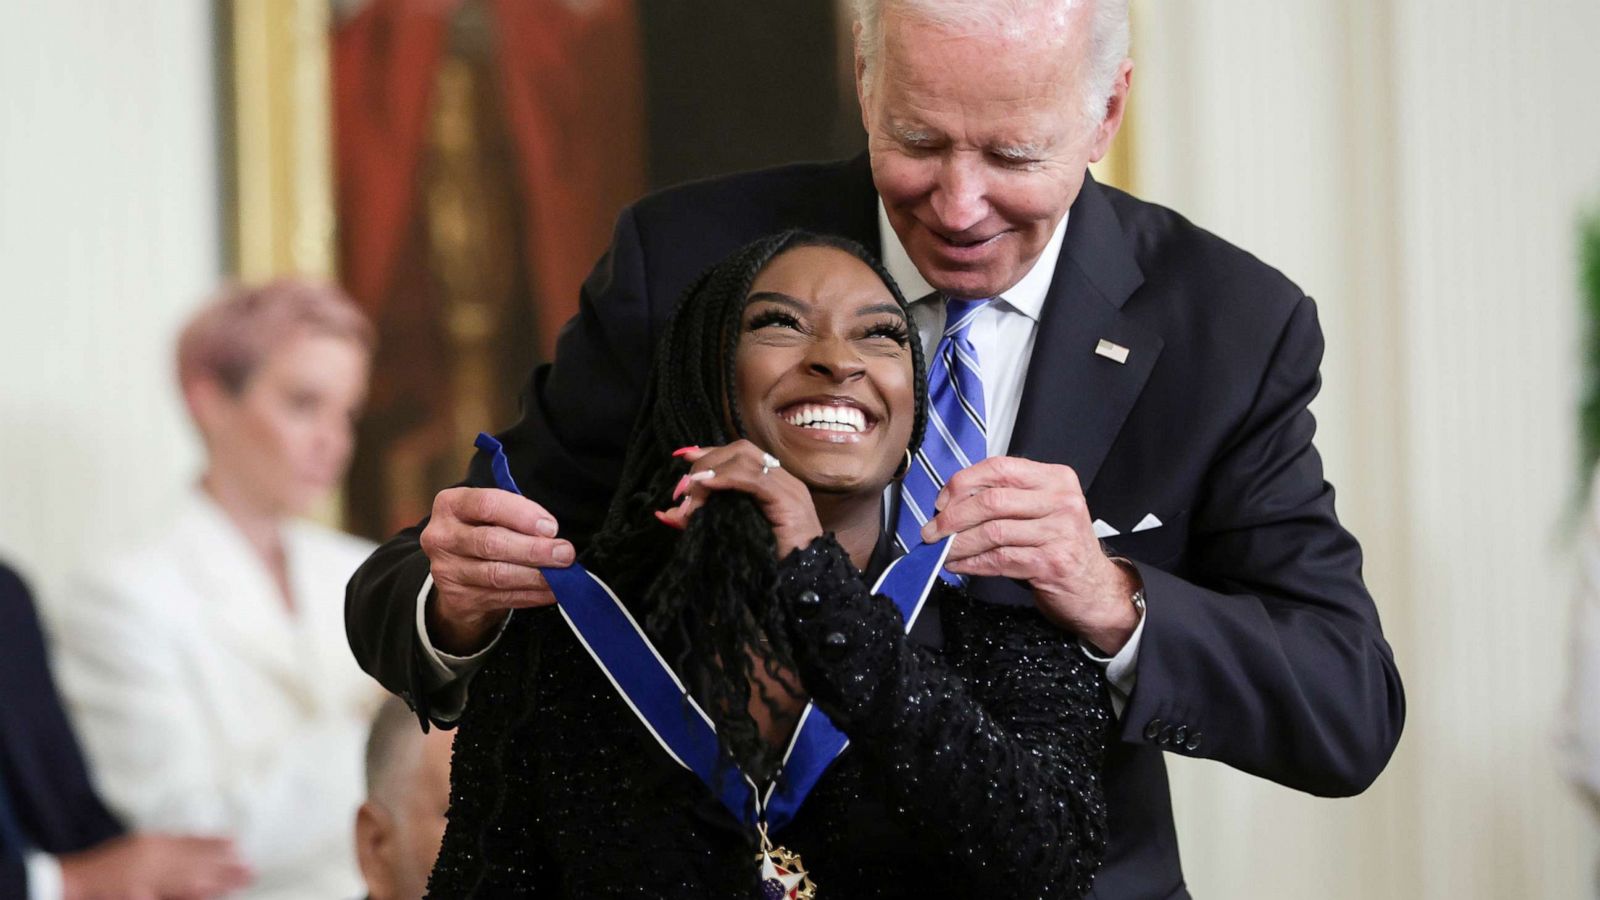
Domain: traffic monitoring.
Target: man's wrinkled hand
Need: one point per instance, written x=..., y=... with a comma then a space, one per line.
x=485, y=547
x=1017, y=518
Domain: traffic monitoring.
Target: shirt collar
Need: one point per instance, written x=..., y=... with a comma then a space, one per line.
x=1026, y=296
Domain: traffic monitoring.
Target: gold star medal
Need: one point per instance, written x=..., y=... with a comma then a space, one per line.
x=783, y=876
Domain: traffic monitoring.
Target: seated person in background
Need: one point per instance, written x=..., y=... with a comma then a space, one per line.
x=57, y=839
x=207, y=670
x=399, y=828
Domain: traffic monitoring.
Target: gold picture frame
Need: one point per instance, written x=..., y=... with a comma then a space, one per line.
x=279, y=213
x=277, y=140
x=279, y=210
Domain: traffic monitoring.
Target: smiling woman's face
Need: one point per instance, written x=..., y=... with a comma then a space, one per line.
x=823, y=370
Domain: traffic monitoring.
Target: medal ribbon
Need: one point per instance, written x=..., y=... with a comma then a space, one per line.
x=657, y=697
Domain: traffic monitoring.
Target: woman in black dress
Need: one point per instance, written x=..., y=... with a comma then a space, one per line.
x=743, y=537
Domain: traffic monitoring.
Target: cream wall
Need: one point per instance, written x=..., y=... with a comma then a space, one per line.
x=1418, y=166
x=108, y=234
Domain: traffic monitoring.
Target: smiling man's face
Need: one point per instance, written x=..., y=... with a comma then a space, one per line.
x=978, y=144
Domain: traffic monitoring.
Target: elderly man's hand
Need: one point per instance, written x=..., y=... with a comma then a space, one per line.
x=484, y=548
x=1028, y=520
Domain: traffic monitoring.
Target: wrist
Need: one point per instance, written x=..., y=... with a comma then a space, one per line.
x=458, y=634
x=77, y=879
x=791, y=543
x=796, y=537
x=1123, y=605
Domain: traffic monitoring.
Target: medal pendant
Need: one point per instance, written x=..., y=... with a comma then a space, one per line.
x=783, y=876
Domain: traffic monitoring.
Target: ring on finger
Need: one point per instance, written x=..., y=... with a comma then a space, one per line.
x=769, y=462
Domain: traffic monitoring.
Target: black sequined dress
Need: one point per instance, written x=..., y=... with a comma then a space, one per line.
x=971, y=772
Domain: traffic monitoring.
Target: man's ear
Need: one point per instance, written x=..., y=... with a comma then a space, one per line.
x=1116, y=108
x=861, y=77
x=375, y=844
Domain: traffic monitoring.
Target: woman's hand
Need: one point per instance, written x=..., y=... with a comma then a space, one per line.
x=741, y=466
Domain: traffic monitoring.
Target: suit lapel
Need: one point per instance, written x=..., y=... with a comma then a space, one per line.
x=1074, y=400
x=238, y=597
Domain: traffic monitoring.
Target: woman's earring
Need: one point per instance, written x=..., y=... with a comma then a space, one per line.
x=904, y=467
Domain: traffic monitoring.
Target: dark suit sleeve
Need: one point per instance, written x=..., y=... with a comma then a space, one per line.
x=1270, y=657
x=49, y=797
x=565, y=453
x=13, y=873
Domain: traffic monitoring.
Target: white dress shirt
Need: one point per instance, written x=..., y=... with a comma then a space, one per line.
x=43, y=872
x=1002, y=334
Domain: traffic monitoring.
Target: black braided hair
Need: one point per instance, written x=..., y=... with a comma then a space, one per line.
x=707, y=592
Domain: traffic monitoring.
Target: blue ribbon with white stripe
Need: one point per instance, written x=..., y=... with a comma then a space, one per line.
x=647, y=684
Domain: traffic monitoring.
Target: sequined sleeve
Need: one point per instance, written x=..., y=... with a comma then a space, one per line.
x=993, y=750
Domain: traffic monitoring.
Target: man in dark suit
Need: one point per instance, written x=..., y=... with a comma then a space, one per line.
x=57, y=839
x=1151, y=483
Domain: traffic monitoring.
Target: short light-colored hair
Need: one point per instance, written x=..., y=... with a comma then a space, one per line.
x=1108, y=38
x=227, y=340
x=393, y=746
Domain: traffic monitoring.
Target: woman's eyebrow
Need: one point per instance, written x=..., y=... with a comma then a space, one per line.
x=779, y=298
x=880, y=309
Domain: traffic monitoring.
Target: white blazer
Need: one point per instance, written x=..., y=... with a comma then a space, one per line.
x=206, y=706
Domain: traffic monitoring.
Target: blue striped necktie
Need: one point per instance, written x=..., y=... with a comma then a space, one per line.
x=957, y=435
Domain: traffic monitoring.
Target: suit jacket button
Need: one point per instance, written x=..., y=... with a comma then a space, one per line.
x=1193, y=743
x=1180, y=735
x=1166, y=735
x=1152, y=730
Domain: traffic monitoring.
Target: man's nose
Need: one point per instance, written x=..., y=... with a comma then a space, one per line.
x=960, y=196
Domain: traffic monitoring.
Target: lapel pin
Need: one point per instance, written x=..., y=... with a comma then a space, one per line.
x=1114, y=352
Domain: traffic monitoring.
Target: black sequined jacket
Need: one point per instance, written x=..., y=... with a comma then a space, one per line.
x=971, y=772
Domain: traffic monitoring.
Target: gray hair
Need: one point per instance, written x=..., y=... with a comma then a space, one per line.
x=1108, y=37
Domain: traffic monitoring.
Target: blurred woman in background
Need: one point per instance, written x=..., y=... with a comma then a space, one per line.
x=207, y=670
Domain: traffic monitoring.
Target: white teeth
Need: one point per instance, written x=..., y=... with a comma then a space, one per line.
x=829, y=418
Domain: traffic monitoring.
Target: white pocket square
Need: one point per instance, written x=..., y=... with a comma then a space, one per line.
x=1103, y=530
x=1147, y=523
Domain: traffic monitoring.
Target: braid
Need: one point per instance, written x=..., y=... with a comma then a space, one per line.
x=707, y=593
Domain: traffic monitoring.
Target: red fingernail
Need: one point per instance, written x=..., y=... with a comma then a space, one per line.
x=683, y=485
x=663, y=519
x=685, y=451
